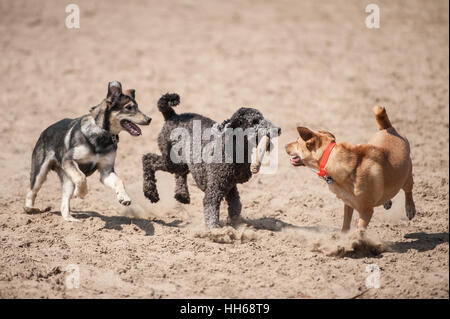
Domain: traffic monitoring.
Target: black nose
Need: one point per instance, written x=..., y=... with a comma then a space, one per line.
x=279, y=131
x=149, y=119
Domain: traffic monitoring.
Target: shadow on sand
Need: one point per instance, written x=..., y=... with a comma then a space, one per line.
x=274, y=224
x=116, y=222
x=423, y=242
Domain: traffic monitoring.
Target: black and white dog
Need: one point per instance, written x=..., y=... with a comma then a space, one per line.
x=76, y=148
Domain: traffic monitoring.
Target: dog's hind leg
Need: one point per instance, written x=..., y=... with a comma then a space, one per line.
x=181, y=189
x=39, y=173
x=68, y=187
x=410, y=207
x=78, y=178
x=234, y=204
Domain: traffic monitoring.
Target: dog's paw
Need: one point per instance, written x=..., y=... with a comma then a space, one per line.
x=235, y=220
x=410, y=211
x=387, y=205
x=32, y=210
x=81, y=189
x=125, y=202
x=212, y=223
x=183, y=198
x=70, y=218
x=152, y=196
x=124, y=199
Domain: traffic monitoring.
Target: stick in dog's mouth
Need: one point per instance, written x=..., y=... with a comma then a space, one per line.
x=258, y=154
x=131, y=128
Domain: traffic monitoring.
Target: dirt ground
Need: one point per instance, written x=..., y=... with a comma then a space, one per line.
x=299, y=63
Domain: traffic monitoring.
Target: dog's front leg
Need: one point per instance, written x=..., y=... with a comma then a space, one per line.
x=181, y=189
x=348, y=213
x=211, y=207
x=110, y=179
x=364, y=218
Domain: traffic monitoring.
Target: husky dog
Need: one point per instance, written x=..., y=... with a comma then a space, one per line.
x=76, y=148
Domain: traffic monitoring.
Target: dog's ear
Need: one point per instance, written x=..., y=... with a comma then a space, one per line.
x=225, y=124
x=309, y=137
x=114, y=92
x=328, y=133
x=130, y=92
x=305, y=133
x=95, y=110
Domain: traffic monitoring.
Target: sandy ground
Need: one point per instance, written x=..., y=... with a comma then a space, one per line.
x=297, y=62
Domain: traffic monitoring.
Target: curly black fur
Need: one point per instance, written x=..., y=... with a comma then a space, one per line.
x=165, y=104
x=216, y=180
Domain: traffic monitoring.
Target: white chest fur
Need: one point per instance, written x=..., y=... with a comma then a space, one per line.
x=84, y=155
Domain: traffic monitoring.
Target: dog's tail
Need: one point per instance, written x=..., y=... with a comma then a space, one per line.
x=381, y=117
x=166, y=104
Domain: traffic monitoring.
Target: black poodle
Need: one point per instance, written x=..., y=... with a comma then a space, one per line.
x=217, y=178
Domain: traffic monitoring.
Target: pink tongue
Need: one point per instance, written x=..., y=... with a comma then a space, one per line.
x=132, y=128
x=295, y=160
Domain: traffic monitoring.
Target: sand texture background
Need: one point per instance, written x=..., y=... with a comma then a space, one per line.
x=296, y=61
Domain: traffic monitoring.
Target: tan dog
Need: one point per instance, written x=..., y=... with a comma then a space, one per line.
x=363, y=176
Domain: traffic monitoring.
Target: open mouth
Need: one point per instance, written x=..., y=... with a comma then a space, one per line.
x=296, y=161
x=131, y=128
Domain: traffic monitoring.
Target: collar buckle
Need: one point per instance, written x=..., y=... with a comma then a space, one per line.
x=115, y=138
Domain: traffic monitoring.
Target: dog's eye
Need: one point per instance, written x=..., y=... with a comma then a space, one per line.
x=255, y=121
x=129, y=107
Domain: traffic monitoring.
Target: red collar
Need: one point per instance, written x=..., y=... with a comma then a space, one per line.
x=324, y=159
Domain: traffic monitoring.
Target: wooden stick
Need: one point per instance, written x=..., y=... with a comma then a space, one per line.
x=258, y=154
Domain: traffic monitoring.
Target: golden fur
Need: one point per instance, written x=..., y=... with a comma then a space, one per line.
x=364, y=175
